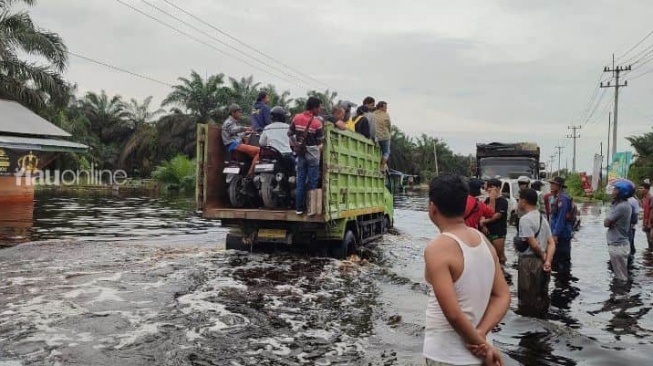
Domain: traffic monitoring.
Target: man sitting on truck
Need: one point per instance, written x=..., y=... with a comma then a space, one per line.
x=276, y=133
x=232, y=136
x=306, y=135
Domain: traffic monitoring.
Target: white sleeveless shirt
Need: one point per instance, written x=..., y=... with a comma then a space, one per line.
x=441, y=342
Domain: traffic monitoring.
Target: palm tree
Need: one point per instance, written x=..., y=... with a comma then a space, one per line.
x=108, y=116
x=327, y=98
x=200, y=98
x=109, y=122
x=177, y=133
x=31, y=83
x=141, y=114
x=243, y=92
x=277, y=99
x=142, y=149
x=643, y=166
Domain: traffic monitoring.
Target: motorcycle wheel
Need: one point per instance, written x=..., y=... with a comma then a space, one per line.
x=235, y=189
x=270, y=199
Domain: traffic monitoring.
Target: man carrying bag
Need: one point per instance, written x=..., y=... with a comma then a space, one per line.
x=536, y=248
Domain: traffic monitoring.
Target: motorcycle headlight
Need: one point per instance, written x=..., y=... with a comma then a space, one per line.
x=279, y=177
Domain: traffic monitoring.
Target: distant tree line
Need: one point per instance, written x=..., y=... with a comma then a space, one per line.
x=137, y=136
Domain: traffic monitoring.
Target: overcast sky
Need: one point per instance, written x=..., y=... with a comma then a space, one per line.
x=464, y=71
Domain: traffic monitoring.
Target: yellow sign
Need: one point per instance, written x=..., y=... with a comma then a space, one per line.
x=28, y=163
x=4, y=162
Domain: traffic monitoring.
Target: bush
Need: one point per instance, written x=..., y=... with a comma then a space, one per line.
x=574, y=185
x=176, y=174
x=600, y=194
x=426, y=176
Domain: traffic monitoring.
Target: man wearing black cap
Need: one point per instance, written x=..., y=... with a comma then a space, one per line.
x=561, y=226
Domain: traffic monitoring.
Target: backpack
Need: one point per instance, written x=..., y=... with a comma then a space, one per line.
x=572, y=214
x=351, y=124
x=300, y=145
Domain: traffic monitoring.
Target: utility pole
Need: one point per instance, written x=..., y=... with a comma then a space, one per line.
x=551, y=160
x=615, y=71
x=559, y=156
x=435, y=157
x=601, y=167
x=607, y=152
x=574, y=136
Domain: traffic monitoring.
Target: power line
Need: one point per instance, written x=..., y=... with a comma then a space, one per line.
x=202, y=42
x=118, y=69
x=221, y=41
x=642, y=74
x=245, y=44
x=636, y=45
x=642, y=53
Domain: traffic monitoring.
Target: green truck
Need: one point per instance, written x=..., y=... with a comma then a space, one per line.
x=357, y=203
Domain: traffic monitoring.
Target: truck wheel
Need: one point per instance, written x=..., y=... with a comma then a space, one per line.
x=387, y=224
x=342, y=249
x=236, y=197
x=235, y=242
x=270, y=200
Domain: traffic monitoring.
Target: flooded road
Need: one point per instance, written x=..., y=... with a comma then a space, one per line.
x=146, y=282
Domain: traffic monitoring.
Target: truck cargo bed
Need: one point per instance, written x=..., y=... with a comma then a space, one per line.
x=259, y=214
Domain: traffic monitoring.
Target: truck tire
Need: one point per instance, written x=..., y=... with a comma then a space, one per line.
x=235, y=190
x=235, y=242
x=341, y=250
x=270, y=199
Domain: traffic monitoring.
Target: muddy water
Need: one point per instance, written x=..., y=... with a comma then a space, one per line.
x=130, y=285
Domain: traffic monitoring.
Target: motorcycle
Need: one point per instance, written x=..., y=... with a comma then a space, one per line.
x=275, y=177
x=242, y=190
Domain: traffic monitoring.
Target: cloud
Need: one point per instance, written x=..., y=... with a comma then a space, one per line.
x=465, y=71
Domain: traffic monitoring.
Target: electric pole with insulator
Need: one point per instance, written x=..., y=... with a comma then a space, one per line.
x=616, y=71
x=574, y=136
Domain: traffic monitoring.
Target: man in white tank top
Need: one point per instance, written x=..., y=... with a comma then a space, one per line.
x=470, y=293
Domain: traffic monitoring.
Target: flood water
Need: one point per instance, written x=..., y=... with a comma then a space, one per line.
x=143, y=281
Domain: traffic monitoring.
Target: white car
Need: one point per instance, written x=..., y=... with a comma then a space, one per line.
x=510, y=191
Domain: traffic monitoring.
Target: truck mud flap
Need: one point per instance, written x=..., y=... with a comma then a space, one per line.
x=274, y=236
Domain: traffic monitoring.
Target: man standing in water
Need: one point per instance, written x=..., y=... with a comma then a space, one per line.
x=535, y=261
x=496, y=227
x=464, y=272
x=645, y=193
x=475, y=210
x=618, y=224
x=560, y=208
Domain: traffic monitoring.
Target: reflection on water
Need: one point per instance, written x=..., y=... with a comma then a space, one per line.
x=15, y=222
x=101, y=218
x=591, y=320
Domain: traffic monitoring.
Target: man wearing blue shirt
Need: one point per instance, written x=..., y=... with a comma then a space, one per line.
x=261, y=112
x=561, y=227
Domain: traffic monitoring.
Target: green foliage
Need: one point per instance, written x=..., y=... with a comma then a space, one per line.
x=574, y=185
x=642, y=167
x=176, y=174
x=600, y=194
x=416, y=156
x=21, y=42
